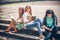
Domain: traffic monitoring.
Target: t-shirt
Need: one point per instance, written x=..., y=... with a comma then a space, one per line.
x=25, y=15
x=49, y=21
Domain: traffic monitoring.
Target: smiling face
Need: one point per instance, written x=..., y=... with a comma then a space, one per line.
x=28, y=8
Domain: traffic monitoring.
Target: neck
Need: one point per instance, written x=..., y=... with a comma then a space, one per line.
x=49, y=16
x=28, y=11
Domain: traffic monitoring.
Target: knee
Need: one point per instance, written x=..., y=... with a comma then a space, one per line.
x=37, y=22
x=37, y=19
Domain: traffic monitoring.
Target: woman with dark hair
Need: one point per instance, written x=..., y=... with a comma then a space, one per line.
x=31, y=21
x=49, y=24
x=16, y=24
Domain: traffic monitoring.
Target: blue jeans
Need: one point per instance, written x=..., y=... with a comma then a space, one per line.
x=49, y=34
x=37, y=24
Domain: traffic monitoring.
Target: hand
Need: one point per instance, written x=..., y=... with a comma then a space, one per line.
x=17, y=22
x=50, y=29
x=43, y=27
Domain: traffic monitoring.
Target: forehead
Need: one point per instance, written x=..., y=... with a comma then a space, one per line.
x=49, y=14
x=28, y=7
x=20, y=8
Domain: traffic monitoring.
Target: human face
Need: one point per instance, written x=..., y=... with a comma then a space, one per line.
x=20, y=11
x=28, y=9
x=49, y=15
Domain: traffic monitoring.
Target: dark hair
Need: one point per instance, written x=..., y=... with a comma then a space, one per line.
x=50, y=12
x=29, y=8
x=53, y=16
x=20, y=15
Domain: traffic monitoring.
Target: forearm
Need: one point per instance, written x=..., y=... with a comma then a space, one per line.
x=27, y=21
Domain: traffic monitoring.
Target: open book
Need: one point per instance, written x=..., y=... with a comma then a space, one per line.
x=31, y=17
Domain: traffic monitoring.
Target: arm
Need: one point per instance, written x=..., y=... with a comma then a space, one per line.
x=25, y=18
x=55, y=23
x=29, y=20
x=44, y=25
x=19, y=20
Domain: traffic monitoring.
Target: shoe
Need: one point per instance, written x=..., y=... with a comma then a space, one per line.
x=53, y=38
x=41, y=37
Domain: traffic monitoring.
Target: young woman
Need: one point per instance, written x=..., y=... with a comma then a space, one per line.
x=29, y=24
x=50, y=22
x=18, y=24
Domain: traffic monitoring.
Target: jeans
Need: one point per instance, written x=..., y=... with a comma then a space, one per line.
x=37, y=24
x=49, y=34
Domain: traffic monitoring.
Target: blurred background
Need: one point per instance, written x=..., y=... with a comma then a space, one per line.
x=39, y=7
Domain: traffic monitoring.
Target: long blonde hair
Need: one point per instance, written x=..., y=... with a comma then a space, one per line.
x=29, y=8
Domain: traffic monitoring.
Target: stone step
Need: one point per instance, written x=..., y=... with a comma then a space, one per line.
x=3, y=24
x=22, y=31
x=19, y=36
x=5, y=21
